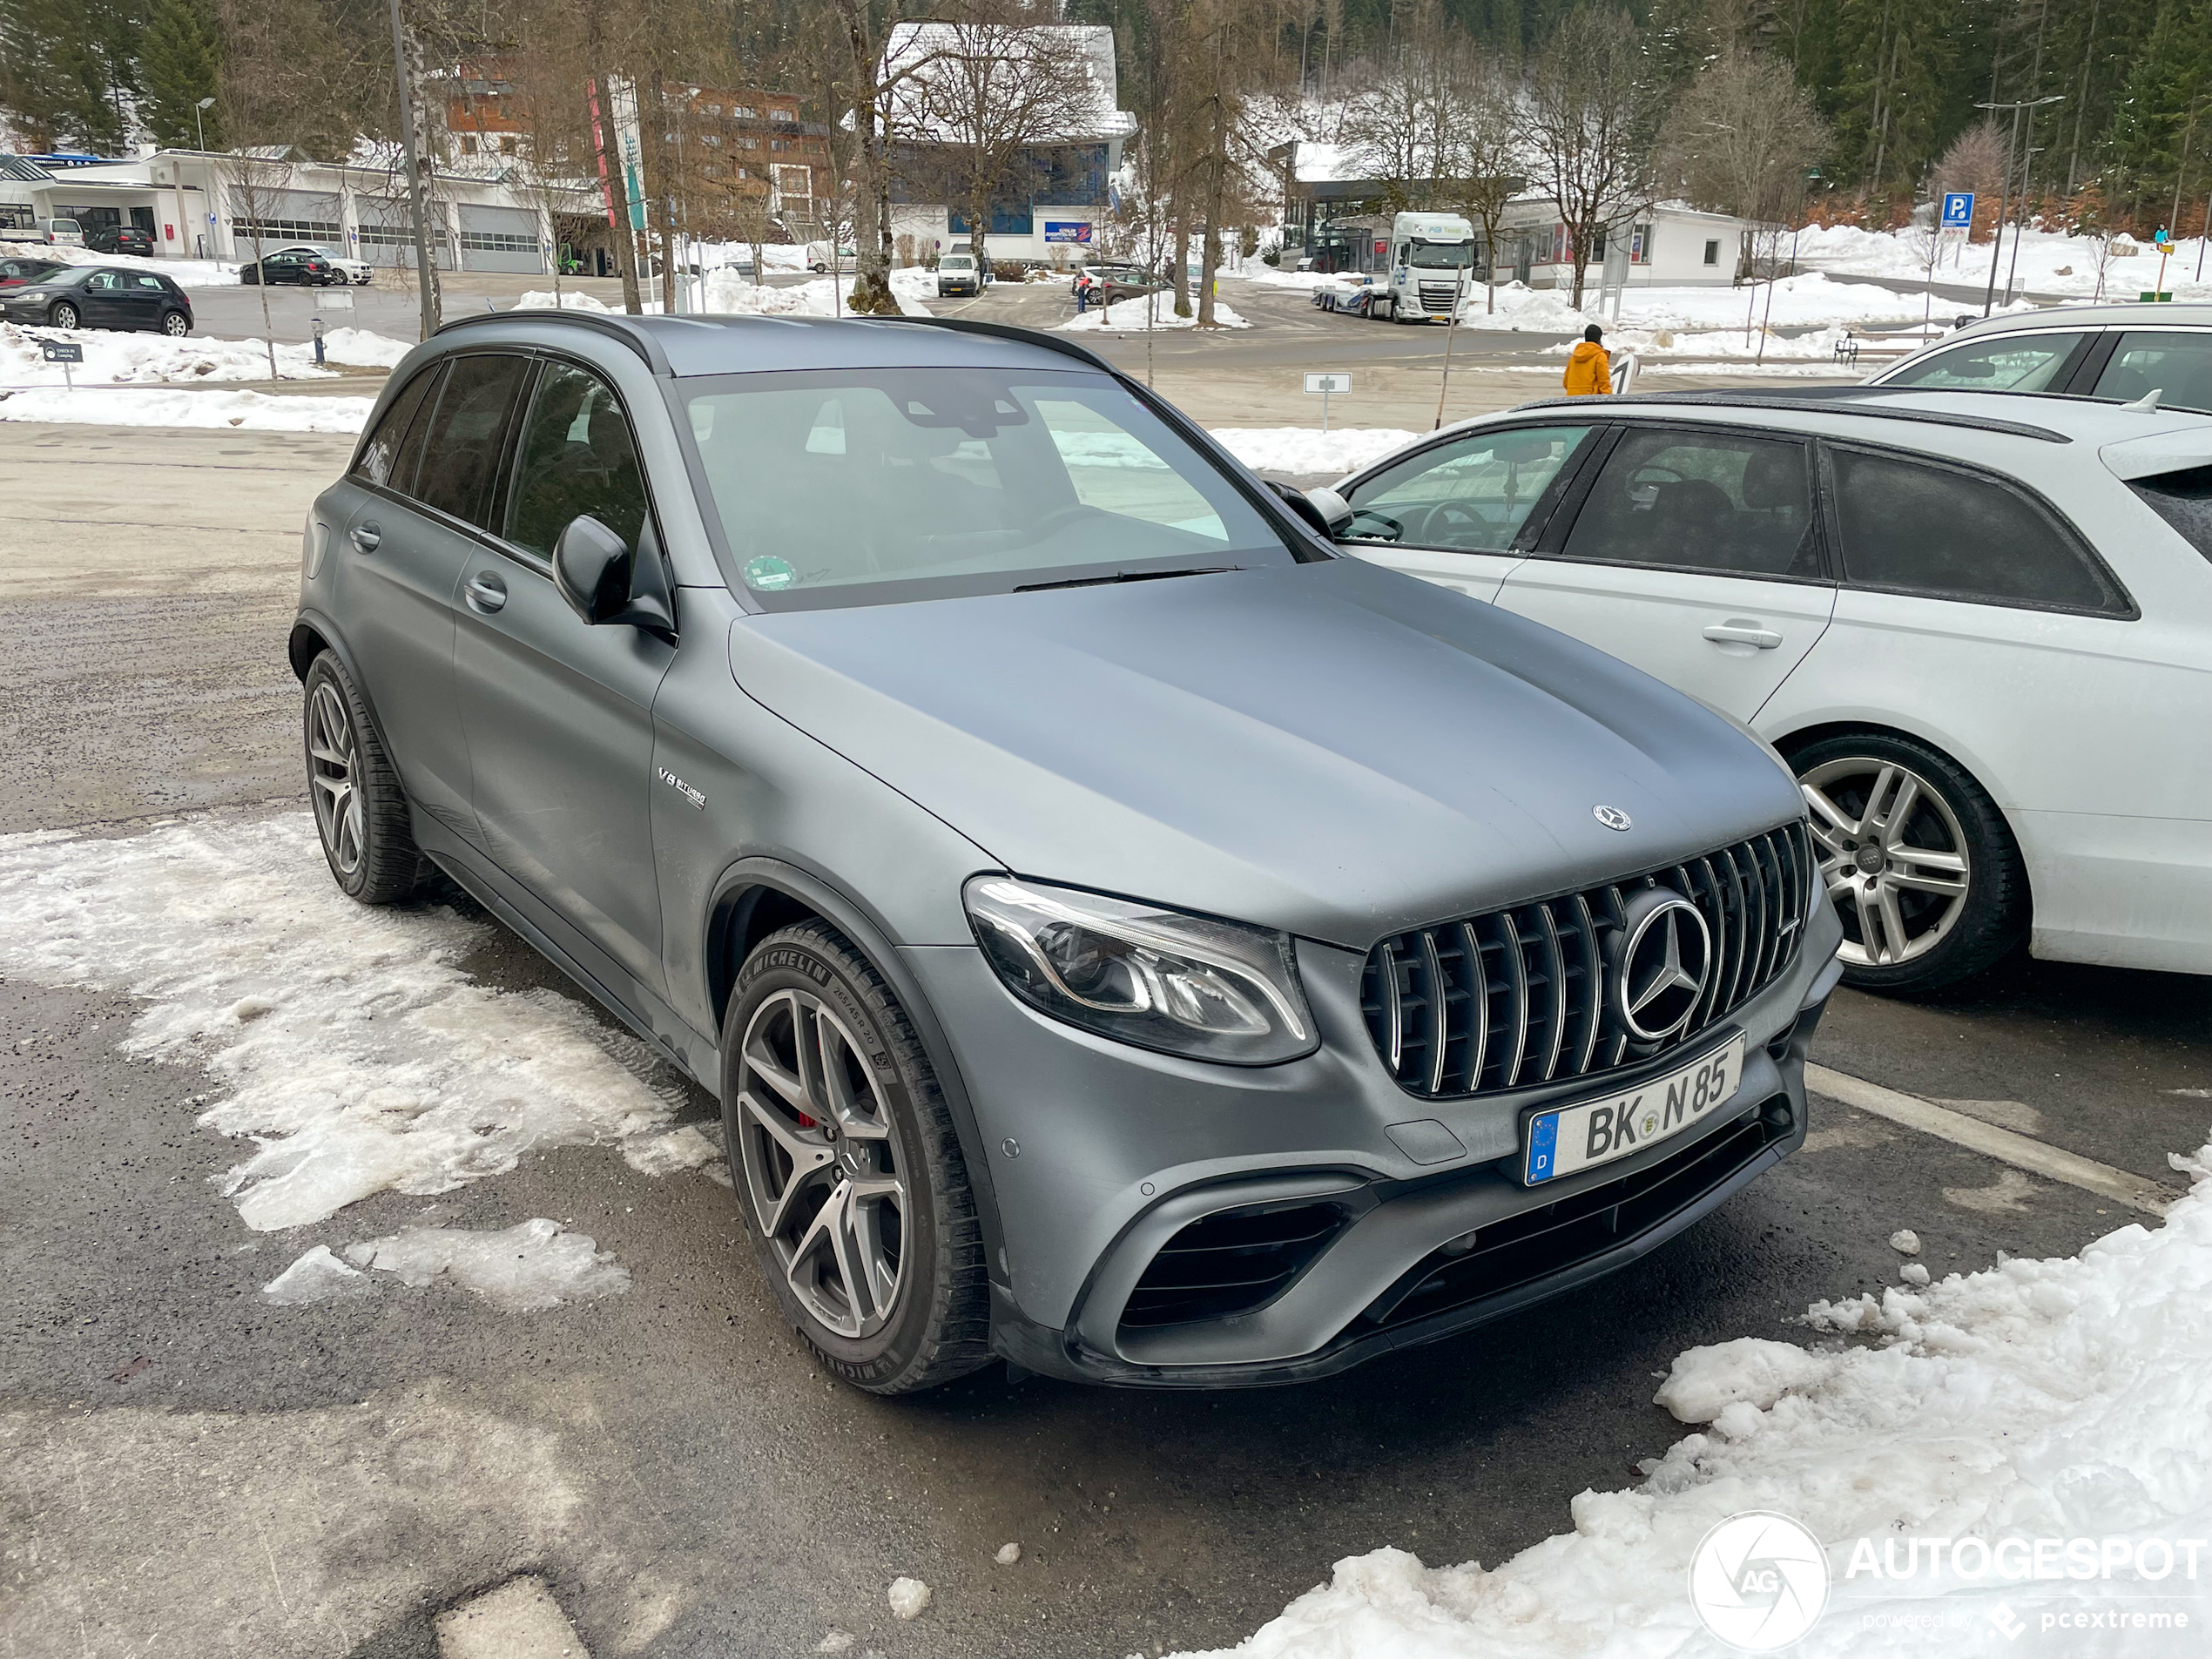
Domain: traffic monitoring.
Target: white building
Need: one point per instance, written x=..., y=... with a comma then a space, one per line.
x=205, y=204
x=1059, y=198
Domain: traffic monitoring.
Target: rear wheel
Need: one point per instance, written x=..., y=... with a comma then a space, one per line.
x=64, y=315
x=360, y=814
x=847, y=1170
x=175, y=324
x=1918, y=860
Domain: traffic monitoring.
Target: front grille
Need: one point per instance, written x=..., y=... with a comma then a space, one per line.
x=1437, y=296
x=1235, y=1262
x=1537, y=1243
x=1520, y=996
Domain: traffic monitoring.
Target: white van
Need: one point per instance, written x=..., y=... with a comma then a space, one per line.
x=62, y=233
x=956, y=274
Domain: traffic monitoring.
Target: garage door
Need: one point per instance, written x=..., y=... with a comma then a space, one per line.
x=500, y=238
x=285, y=216
x=387, y=233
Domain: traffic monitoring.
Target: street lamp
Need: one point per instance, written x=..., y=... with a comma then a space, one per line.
x=198, y=110
x=2004, y=191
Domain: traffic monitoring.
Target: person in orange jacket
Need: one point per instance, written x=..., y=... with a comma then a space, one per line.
x=1590, y=371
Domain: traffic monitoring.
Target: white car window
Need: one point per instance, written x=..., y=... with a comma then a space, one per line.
x=2009, y=363
x=1469, y=496
x=2176, y=364
x=1716, y=502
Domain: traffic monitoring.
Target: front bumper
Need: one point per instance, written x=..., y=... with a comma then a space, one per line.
x=1101, y=1157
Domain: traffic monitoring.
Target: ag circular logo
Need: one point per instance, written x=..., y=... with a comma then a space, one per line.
x=1759, y=1580
x=1662, y=957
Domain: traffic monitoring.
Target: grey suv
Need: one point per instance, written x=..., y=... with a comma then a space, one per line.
x=1123, y=936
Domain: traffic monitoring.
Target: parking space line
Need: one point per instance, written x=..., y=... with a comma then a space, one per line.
x=2138, y=1191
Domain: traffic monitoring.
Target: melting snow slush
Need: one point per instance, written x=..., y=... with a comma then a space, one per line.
x=359, y=1057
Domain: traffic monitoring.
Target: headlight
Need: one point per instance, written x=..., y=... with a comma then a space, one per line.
x=1182, y=984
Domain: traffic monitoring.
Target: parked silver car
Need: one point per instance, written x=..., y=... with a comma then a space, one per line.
x=1123, y=936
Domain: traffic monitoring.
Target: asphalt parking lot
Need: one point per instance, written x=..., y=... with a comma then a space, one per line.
x=191, y=1469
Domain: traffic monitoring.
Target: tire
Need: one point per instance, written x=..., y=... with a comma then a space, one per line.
x=1896, y=875
x=175, y=324
x=360, y=813
x=64, y=315
x=799, y=1173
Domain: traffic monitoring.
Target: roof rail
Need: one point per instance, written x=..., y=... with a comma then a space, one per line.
x=639, y=339
x=1822, y=401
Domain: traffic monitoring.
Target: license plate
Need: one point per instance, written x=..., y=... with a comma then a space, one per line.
x=1567, y=1139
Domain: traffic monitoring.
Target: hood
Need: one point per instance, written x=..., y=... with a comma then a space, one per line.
x=1332, y=749
x=1584, y=351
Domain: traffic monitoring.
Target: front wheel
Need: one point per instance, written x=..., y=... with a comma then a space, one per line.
x=175, y=324
x=360, y=814
x=64, y=315
x=1918, y=860
x=847, y=1170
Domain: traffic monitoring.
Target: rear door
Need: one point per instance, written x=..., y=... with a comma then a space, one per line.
x=1459, y=512
x=1693, y=553
x=2176, y=363
x=559, y=713
x=140, y=298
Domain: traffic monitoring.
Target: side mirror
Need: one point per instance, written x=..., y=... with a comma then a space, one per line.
x=1334, y=511
x=593, y=568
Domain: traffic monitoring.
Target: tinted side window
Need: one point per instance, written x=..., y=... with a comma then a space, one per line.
x=1701, y=501
x=2184, y=500
x=1926, y=529
x=382, y=459
x=576, y=456
x=460, y=453
x=1469, y=496
x=2178, y=366
x=2014, y=363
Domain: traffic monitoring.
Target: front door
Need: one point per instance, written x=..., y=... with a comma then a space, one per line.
x=1453, y=513
x=559, y=713
x=1694, y=555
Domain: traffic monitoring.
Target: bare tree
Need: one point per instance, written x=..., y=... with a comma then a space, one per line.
x=1975, y=161
x=1588, y=121
x=998, y=88
x=1405, y=118
x=1485, y=159
x=1739, y=141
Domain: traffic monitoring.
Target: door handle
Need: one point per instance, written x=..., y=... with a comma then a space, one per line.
x=1739, y=630
x=486, y=591
x=367, y=538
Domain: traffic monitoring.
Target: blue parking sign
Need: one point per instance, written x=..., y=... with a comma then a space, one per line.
x=1958, y=210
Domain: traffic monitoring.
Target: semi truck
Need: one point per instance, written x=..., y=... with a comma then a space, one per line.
x=1415, y=264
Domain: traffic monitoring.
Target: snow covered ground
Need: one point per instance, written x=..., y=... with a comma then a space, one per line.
x=1306, y=449
x=732, y=293
x=2048, y=262
x=534, y=1264
x=114, y=358
x=1127, y=316
x=357, y=1056
x=2067, y=1399
x=151, y=406
x=186, y=273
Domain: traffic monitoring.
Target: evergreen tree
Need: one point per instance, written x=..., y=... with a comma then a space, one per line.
x=55, y=84
x=180, y=62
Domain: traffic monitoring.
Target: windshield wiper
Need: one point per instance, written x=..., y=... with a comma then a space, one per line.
x=1126, y=576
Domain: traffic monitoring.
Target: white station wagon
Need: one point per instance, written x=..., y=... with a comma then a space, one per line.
x=1978, y=628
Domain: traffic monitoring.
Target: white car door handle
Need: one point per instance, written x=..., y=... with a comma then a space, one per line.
x=1738, y=631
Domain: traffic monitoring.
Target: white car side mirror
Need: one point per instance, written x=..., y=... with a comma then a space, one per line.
x=1335, y=510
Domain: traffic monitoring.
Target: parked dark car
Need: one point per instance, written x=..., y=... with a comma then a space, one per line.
x=99, y=296
x=121, y=238
x=1109, y=283
x=14, y=273
x=302, y=270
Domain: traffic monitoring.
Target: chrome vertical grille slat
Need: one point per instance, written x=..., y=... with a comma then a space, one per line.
x=1522, y=995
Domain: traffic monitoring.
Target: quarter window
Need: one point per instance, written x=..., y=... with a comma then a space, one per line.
x=387, y=459
x=1715, y=502
x=1917, y=528
x=577, y=456
x=2177, y=366
x=2013, y=363
x=460, y=453
x=1470, y=495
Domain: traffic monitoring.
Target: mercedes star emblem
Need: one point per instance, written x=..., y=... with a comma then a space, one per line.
x=1612, y=816
x=1664, y=954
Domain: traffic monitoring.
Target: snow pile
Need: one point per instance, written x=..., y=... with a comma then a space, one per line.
x=534, y=1265
x=1308, y=449
x=359, y=346
x=732, y=293
x=2048, y=261
x=134, y=406
x=113, y=358
x=2068, y=1398
x=1126, y=315
x=569, y=300
x=186, y=273
x=359, y=1056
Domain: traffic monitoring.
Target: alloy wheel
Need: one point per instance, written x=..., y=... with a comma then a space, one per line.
x=64, y=316
x=1892, y=857
x=822, y=1167
x=174, y=325
x=333, y=772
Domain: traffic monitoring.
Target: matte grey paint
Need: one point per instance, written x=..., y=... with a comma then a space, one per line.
x=1331, y=749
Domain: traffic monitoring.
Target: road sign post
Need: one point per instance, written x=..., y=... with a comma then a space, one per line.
x=63, y=352
x=1327, y=386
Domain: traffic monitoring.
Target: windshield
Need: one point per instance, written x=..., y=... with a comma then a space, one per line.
x=956, y=261
x=1443, y=256
x=68, y=277
x=866, y=487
